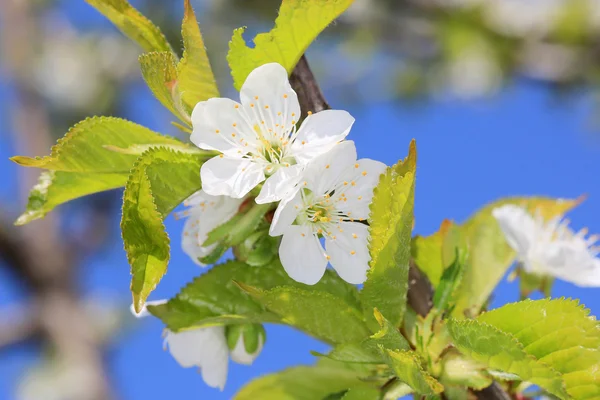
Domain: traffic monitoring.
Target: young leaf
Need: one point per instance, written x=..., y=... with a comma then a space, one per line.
x=461, y=371
x=304, y=383
x=298, y=24
x=57, y=187
x=390, y=229
x=86, y=147
x=450, y=281
x=317, y=313
x=503, y=353
x=132, y=23
x=159, y=181
x=408, y=369
x=214, y=298
x=159, y=70
x=196, y=79
x=489, y=254
x=362, y=393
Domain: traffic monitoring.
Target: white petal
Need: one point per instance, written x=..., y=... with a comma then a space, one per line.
x=230, y=176
x=241, y=356
x=327, y=170
x=280, y=184
x=144, y=312
x=285, y=215
x=214, y=122
x=302, y=255
x=208, y=213
x=363, y=177
x=518, y=226
x=320, y=132
x=267, y=96
x=202, y=347
x=349, y=252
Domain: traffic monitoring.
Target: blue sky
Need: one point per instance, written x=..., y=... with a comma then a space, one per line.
x=469, y=153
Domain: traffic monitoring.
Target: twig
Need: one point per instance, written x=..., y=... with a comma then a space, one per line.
x=309, y=94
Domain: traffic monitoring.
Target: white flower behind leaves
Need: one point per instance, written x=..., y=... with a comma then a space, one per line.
x=258, y=137
x=204, y=214
x=550, y=248
x=332, y=202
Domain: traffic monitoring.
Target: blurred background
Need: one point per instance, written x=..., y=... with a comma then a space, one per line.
x=501, y=95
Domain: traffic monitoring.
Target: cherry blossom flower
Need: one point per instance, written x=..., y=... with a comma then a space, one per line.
x=258, y=138
x=332, y=202
x=205, y=348
x=204, y=214
x=550, y=248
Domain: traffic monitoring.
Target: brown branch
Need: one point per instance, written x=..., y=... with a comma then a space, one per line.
x=420, y=291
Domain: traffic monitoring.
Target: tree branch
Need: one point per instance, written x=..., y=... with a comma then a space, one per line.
x=420, y=291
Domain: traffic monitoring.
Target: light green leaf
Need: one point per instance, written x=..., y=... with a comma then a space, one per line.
x=132, y=23
x=362, y=393
x=299, y=22
x=57, y=187
x=390, y=229
x=461, y=371
x=303, y=383
x=214, y=299
x=317, y=313
x=502, y=352
x=450, y=281
x=489, y=254
x=86, y=147
x=159, y=70
x=160, y=180
x=196, y=79
x=408, y=369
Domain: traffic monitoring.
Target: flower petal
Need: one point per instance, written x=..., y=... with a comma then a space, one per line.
x=363, y=177
x=214, y=122
x=518, y=226
x=277, y=186
x=302, y=255
x=241, y=356
x=327, y=170
x=230, y=176
x=269, y=100
x=285, y=215
x=202, y=347
x=349, y=252
x=320, y=132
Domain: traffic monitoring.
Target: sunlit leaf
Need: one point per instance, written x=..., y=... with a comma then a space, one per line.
x=298, y=24
x=390, y=229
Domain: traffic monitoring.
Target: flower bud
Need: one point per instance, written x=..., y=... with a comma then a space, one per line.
x=257, y=250
x=245, y=342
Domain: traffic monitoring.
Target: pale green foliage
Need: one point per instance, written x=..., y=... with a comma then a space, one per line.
x=320, y=314
x=57, y=187
x=407, y=366
x=446, y=291
x=305, y=383
x=489, y=254
x=132, y=23
x=196, y=80
x=461, y=371
x=362, y=393
x=298, y=24
x=159, y=181
x=214, y=297
x=390, y=230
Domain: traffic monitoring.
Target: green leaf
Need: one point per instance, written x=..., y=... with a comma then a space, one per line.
x=132, y=23
x=317, y=313
x=299, y=22
x=450, y=281
x=390, y=229
x=214, y=299
x=85, y=148
x=196, y=79
x=408, y=369
x=503, y=353
x=159, y=70
x=489, y=254
x=362, y=393
x=57, y=187
x=160, y=180
x=303, y=383
x=461, y=371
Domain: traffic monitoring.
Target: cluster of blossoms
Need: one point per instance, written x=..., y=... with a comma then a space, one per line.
x=550, y=248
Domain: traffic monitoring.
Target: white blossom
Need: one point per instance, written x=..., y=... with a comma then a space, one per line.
x=204, y=214
x=258, y=138
x=331, y=202
x=550, y=248
x=240, y=355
